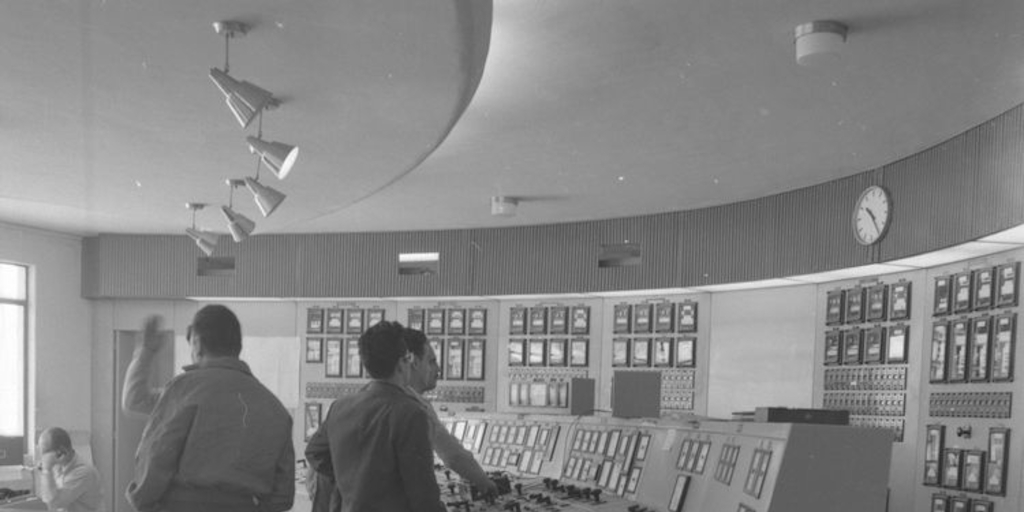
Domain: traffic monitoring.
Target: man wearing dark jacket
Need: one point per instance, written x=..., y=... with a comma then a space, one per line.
x=377, y=442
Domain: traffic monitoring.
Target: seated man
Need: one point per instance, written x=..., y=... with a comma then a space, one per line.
x=66, y=482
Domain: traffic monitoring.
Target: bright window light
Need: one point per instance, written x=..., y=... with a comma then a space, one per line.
x=13, y=284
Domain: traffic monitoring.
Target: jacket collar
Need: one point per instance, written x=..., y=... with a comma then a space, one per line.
x=226, y=363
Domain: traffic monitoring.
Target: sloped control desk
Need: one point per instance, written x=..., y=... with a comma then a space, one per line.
x=687, y=465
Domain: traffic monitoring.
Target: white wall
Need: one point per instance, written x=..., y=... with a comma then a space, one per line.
x=762, y=349
x=59, y=338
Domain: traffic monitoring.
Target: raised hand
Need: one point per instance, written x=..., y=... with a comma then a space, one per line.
x=151, y=338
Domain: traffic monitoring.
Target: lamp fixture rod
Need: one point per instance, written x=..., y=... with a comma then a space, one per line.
x=233, y=184
x=259, y=163
x=194, y=207
x=259, y=135
x=230, y=29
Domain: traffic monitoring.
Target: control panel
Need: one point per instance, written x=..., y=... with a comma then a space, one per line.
x=611, y=464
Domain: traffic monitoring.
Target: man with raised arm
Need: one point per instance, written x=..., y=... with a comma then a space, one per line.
x=217, y=440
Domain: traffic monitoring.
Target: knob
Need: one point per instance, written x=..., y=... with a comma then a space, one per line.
x=519, y=489
x=597, y=495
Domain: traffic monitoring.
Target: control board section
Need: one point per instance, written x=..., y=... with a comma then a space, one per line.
x=547, y=463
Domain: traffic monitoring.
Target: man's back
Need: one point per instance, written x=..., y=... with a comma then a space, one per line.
x=381, y=452
x=216, y=436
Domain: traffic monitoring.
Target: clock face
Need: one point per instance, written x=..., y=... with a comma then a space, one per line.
x=871, y=215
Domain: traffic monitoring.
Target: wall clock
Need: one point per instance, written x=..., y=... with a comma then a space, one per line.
x=872, y=215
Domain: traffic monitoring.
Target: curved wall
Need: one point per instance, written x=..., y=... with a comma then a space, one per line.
x=967, y=187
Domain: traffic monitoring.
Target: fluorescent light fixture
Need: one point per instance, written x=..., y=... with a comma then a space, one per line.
x=418, y=257
x=277, y=156
x=419, y=263
x=267, y=199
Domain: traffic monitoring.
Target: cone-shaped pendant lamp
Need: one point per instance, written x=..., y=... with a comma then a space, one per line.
x=267, y=198
x=243, y=98
x=206, y=241
x=277, y=156
x=239, y=225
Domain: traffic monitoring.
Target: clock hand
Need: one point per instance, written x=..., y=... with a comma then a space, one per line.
x=873, y=220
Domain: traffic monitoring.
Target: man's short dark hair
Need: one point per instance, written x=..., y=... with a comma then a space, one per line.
x=381, y=347
x=415, y=341
x=59, y=439
x=218, y=329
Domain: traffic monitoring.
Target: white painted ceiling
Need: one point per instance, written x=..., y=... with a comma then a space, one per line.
x=586, y=109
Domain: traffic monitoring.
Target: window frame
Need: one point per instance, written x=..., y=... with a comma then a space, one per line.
x=24, y=303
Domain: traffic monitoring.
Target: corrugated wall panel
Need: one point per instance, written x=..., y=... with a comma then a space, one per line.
x=964, y=188
x=138, y=266
x=658, y=256
x=265, y=266
x=739, y=244
x=817, y=233
x=534, y=259
x=366, y=264
x=1001, y=160
x=931, y=200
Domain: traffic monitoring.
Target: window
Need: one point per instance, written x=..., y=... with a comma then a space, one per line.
x=13, y=305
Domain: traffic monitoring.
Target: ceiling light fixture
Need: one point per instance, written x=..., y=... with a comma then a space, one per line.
x=267, y=198
x=819, y=41
x=503, y=206
x=239, y=225
x=243, y=98
x=205, y=240
x=278, y=156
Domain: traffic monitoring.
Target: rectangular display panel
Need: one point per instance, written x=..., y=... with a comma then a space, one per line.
x=314, y=350
x=1003, y=347
x=983, y=288
x=942, y=295
x=1007, y=281
x=899, y=301
x=456, y=321
x=896, y=346
x=958, y=347
x=335, y=320
x=980, y=342
x=939, y=340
